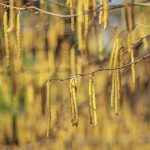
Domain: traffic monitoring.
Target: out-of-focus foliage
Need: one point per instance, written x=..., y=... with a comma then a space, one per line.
x=46, y=45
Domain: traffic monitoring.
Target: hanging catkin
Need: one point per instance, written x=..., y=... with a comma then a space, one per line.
x=72, y=61
x=126, y=13
x=79, y=26
x=131, y=52
x=106, y=11
x=71, y=13
x=92, y=103
x=18, y=35
x=101, y=12
x=94, y=6
x=86, y=16
x=49, y=106
x=6, y=38
x=11, y=14
x=114, y=52
x=116, y=80
x=73, y=101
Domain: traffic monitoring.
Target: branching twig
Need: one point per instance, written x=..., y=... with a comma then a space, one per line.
x=102, y=69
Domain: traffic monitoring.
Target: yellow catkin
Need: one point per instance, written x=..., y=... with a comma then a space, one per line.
x=11, y=14
x=94, y=6
x=79, y=26
x=72, y=61
x=86, y=16
x=79, y=68
x=126, y=12
x=71, y=13
x=6, y=38
x=49, y=106
x=92, y=103
x=116, y=80
x=67, y=2
x=73, y=99
x=101, y=12
x=133, y=65
x=131, y=52
x=18, y=35
x=106, y=11
x=113, y=53
x=113, y=90
x=117, y=91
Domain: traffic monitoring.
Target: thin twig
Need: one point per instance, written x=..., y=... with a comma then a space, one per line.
x=111, y=7
x=103, y=69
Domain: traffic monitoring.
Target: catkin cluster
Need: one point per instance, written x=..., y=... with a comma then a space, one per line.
x=73, y=101
x=116, y=79
x=49, y=106
x=92, y=103
x=104, y=12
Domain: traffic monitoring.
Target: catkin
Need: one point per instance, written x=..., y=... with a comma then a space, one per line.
x=90, y=100
x=11, y=14
x=126, y=12
x=49, y=106
x=18, y=35
x=71, y=13
x=106, y=11
x=101, y=12
x=73, y=100
x=131, y=52
x=79, y=27
x=133, y=65
x=113, y=90
x=94, y=6
x=6, y=38
x=116, y=79
x=67, y=2
x=112, y=53
x=72, y=61
x=86, y=16
x=92, y=103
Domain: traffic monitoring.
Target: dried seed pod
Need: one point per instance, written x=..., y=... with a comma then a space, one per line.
x=6, y=38
x=49, y=106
